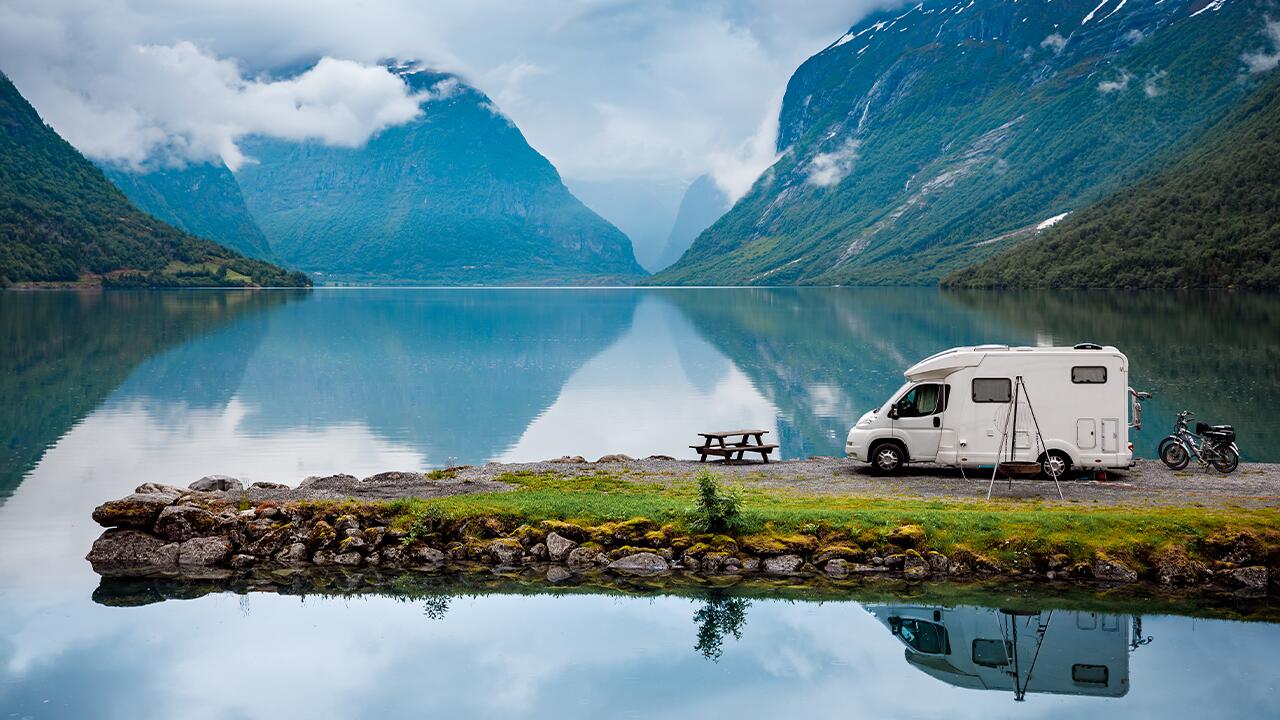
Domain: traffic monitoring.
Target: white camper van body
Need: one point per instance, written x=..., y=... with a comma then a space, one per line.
x=955, y=407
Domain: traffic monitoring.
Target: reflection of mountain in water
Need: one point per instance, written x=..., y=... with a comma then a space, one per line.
x=824, y=356
x=1215, y=353
x=1052, y=651
x=66, y=351
x=451, y=374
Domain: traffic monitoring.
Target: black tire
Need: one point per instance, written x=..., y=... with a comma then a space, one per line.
x=1166, y=441
x=1226, y=460
x=1055, y=464
x=1175, y=455
x=887, y=458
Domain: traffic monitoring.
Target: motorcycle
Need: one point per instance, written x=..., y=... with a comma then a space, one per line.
x=1211, y=445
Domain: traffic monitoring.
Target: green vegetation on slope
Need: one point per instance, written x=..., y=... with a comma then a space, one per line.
x=62, y=221
x=201, y=198
x=1210, y=220
x=928, y=132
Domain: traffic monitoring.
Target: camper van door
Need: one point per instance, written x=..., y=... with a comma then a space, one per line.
x=917, y=420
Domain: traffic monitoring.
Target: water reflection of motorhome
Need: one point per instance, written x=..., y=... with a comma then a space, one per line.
x=1051, y=651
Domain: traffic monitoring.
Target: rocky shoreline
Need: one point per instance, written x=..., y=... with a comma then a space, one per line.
x=215, y=525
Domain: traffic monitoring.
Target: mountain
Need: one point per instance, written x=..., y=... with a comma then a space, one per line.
x=62, y=221
x=925, y=137
x=1212, y=219
x=455, y=197
x=703, y=203
x=201, y=198
x=643, y=209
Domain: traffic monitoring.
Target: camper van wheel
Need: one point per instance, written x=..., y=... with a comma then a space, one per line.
x=887, y=458
x=1055, y=464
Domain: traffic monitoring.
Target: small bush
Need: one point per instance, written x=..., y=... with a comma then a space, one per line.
x=716, y=509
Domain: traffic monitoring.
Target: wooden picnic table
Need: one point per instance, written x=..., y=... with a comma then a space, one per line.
x=716, y=443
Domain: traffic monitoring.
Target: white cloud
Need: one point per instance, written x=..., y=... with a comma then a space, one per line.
x=1120, y=83
x=829, y=168
x=624, y=88
x=1152, y=85
x=1055, y=41
x=1262, y=61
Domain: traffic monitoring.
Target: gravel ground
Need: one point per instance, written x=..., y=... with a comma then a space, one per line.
x=1148, y=483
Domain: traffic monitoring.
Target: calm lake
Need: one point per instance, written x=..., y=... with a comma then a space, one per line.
x=100, y=392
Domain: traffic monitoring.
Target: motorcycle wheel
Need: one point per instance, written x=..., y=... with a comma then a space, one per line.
x=1226, y=460
x=1165, y=443
x=1175, y=455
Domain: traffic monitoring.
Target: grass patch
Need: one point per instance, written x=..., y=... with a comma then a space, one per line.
x=1006, y=530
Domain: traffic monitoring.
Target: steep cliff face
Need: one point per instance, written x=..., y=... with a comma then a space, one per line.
x=201, y=198
x=925, y=137
x=455, y=197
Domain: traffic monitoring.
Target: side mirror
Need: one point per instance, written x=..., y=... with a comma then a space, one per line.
x=893, y=413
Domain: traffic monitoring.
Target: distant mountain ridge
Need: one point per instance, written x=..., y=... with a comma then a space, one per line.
x=455, y=197
x=1211, y=219
x=703, y=203
x=202, y=198
x=62, y=221
x=930, y=137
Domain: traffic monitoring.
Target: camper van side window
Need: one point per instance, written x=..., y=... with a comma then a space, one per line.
x=1088, y=375
x=992, y=390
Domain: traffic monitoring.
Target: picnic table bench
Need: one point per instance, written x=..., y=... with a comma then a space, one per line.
x=715, y=443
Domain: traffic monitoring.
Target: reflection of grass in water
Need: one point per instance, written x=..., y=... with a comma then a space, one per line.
x=1010, y=531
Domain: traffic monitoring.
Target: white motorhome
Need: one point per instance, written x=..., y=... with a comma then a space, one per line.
x=1056, y=651
x=958, y=408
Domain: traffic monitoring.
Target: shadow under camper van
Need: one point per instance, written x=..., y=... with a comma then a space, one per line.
x=1060, y=407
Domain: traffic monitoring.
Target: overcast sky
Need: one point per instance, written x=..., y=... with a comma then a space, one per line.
x=605, y=88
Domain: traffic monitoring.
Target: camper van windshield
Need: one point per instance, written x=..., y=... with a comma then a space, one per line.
x=923, y=636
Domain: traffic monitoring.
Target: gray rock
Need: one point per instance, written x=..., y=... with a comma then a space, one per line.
x=427, y=555
x=751, y=565
x=392, y=555
x=915, y=567
x=860, y=569
x=353, y=543
x=783, y=565
x=346, y=522
x=294, y=554
x=505, y=553
x=559, y=546
x=601, y=559
x=691, y=562
x=261, y=485
x=349, y=559
x=322, y=558
x=215, y=483
x=569, y=460
x=615, y=458
x=581, y=557
x=1249, y=578
x=152, y=488
x=373, y=558
x=937, y=561
x=557, y=573
x=1111, y=570
x=204, y=551
x=178, y=523
x=894, y=561
x=645, y=563
x=713, y=562
x=836, y=568
x=242, y=560
x=137, y=511
x=130, y=549
x=539, y=551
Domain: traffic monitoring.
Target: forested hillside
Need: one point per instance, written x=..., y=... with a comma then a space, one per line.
x=1212, y=219
x=931, y=136
x=62, y=221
